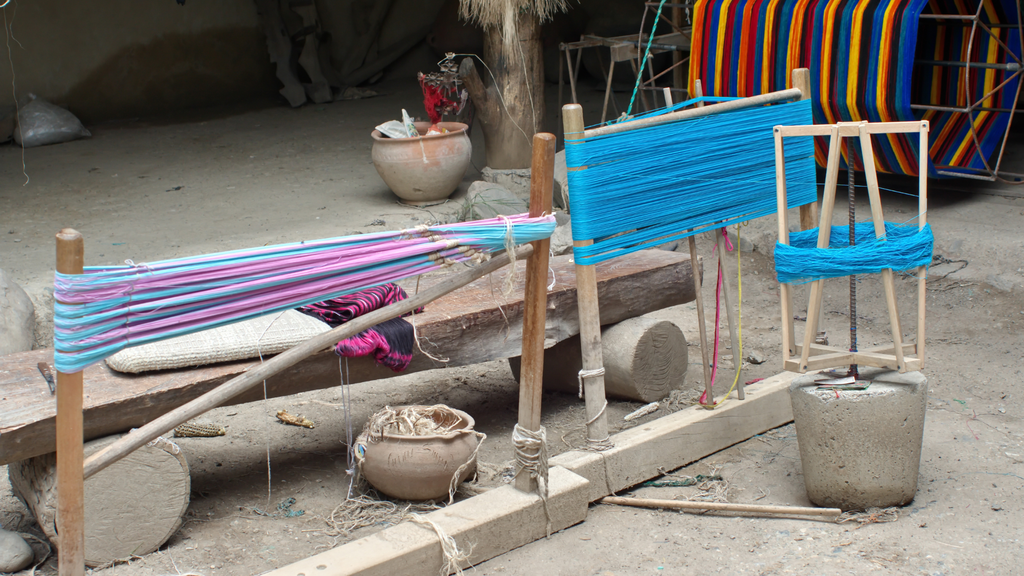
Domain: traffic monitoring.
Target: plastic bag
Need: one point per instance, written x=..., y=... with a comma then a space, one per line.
x=40, y=123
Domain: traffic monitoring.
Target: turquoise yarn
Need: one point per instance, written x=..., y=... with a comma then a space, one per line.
x=902, y=248
x=660, y=183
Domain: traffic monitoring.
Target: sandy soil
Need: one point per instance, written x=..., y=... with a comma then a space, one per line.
x=159, y=189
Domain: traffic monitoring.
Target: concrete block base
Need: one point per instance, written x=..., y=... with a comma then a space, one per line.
x=861, y=448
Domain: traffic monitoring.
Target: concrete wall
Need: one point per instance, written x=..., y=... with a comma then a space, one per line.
x=126, y=58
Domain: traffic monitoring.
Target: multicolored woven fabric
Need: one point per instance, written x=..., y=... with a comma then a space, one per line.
x=868, y=62
x=389, y=342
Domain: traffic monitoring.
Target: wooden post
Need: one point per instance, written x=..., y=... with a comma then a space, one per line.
x=590, y=319
x=922, y=211
x=698, y=280
x=868, y=158
x=737, y=360
x=70, y=481
x=531, y=382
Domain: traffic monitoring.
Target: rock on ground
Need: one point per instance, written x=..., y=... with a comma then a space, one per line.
x=15, y=553
x=17, y=317
x=517, y=180
x=488, y=200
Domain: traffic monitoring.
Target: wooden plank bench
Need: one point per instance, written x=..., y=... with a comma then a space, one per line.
x=466, y=327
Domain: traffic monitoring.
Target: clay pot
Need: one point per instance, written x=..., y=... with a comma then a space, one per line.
x=419, y=467
x=425, y=170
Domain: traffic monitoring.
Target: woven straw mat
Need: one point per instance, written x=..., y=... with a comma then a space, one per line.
x=238, y=341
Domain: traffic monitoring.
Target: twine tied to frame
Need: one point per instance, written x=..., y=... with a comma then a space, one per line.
x=531, y=452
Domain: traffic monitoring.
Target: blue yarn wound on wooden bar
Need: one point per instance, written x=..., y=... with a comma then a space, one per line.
x=902, y=248
x=656, y=184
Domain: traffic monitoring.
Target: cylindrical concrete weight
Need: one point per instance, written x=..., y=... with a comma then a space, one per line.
x=644, y=359
x=862, y=448
x=131, y=508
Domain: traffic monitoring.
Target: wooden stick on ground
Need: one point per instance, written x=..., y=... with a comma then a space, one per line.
x=590, y=317
x=243, y=382
x=70, y=482
x=721, y=506
x=531, y=383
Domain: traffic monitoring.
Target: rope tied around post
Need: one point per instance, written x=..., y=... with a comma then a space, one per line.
x=531, y=452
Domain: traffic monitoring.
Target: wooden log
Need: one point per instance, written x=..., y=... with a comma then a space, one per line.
x=472, y=325
x=131, y=508
x=70, y=260
x=542, y=183
x=644, y=360
x=722, y=507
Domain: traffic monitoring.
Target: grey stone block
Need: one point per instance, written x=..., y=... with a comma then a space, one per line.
x=863, y=448
x=488, y=200
x=516, y=180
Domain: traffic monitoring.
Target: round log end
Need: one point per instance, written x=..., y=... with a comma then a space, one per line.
x=131, y=507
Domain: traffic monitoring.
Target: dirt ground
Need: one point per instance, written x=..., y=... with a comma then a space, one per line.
x=222, y=179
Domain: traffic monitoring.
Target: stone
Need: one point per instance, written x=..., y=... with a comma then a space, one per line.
x=516, y=180
x=560, y=195
x=861, y=448
x=17, y=317
x=755, y=357
x=561, y=240
x=673, y=246
x=488, y=200
x=15, y=553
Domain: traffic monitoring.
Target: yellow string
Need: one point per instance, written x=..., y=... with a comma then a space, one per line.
x=739, y=325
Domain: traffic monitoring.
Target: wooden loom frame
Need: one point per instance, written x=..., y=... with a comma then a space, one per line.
x=73, y=468
x=590, y=324
x=811, y=356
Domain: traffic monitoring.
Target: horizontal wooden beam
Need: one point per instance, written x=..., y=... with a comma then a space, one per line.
x=485, y=526
x=681, y=438
x=689, y=114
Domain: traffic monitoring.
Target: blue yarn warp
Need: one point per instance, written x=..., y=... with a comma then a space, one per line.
x=903, y=247
x=656, y=184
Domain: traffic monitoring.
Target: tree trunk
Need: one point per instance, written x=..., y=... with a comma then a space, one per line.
x=510, y=105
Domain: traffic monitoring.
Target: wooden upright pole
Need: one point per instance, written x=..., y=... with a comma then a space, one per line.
x=70, y=481
x=590, y=317
x=698, y=280
x=535, y=298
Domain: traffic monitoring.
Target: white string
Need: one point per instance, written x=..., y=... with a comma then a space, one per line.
x=267, y=436
x=588, y=374
x=531, y=453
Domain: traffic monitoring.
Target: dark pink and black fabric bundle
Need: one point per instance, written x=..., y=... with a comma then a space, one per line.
x=390, y=342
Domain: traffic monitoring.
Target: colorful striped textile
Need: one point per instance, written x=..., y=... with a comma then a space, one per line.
x=870, y=60
x=390, y=342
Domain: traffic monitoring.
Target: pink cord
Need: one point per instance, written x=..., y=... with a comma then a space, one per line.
x=718, y=312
